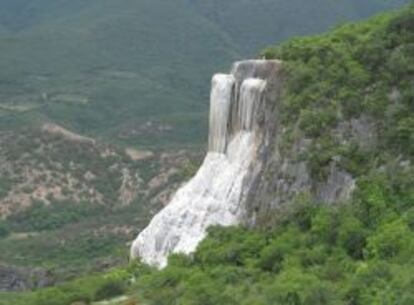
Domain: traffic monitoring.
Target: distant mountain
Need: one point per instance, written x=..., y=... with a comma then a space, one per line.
x=107, y=68
x=252, y=23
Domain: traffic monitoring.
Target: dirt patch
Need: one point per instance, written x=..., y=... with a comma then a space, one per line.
x=137, y=155
x=69, y=135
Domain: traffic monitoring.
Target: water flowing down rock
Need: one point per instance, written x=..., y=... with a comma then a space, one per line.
x=215, y=195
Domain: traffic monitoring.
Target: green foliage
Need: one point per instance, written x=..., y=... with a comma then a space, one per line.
x=391, y=240
x=330, y=255
x=84, y=290
x=76, y=245
x=338, y=260
x=357, y=71
x=235, y=251
x=41, y=217
x=352, y=236
x=313, y=123
x=109, y=290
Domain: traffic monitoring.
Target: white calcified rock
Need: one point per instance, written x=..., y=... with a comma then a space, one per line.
x=215, y=196
x=220, y=106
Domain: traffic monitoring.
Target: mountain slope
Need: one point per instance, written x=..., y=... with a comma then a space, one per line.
x=80, y=198
x=122, y=59
x=260, y=22
x=102, y=67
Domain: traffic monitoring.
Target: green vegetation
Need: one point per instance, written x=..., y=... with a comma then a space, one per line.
x=359, y=253
x=84, y=290
x=71, y=239
x=41, y=217
x=357, y=71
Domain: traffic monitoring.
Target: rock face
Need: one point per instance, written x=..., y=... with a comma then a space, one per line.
x=216, y=195
x=282, y=174
x=246, y=175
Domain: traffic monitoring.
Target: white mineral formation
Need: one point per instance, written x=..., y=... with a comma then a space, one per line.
x=215, y=195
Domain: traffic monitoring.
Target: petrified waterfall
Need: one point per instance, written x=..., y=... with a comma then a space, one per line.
x=216, y=194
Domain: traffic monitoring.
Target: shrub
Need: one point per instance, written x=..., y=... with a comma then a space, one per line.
x=351, y=234
x=109, y=290
x=391, y=240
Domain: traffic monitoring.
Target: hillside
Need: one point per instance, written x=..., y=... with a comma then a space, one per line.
x=105, y=67
x=264, y=22
x=80, y=198
x=355, y=252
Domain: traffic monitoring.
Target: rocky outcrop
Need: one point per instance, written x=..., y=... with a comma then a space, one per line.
x=283, y=174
